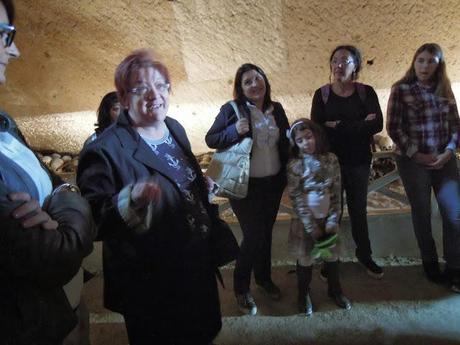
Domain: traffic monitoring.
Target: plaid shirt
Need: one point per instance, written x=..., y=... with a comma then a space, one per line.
x=420, y=121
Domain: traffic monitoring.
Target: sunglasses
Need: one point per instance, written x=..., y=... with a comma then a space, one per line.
x=8, y=32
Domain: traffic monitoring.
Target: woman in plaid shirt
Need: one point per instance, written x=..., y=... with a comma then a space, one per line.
x=423, y=121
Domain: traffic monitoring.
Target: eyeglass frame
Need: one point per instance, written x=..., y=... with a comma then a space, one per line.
x=161, y=87
x=10, y=32
x=343, y=62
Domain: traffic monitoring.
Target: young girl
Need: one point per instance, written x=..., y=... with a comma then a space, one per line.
x=424, y=124
x=314, y=188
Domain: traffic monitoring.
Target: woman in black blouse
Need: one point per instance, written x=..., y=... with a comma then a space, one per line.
x=351, y=115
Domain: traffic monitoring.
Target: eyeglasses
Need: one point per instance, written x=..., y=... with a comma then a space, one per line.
x=8, y=32
x=142, y=90
x=342, y=62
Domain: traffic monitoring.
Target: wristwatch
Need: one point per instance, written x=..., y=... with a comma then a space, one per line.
x=66, y=187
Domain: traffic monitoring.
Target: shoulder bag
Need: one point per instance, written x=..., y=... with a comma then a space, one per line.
x=229, y=168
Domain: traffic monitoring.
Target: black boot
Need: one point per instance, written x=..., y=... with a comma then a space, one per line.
x=334, y=288
x=304, y=274
x=433, y=272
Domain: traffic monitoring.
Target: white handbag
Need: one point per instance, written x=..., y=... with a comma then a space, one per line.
x=229, y=168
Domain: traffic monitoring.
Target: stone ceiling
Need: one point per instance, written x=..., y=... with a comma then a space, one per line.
x=70, y=49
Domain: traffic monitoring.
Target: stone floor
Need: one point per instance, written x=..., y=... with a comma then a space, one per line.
x=402, y=308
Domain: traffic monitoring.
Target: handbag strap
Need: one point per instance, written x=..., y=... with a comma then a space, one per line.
x=235, y=108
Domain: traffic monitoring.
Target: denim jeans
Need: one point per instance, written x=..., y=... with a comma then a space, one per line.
x=256, y=214
x=418, y=182
x=355, y=180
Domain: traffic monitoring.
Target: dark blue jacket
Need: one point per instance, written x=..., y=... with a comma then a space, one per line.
x=161, y=273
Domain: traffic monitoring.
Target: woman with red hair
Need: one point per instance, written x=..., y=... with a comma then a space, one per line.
x=150, y=203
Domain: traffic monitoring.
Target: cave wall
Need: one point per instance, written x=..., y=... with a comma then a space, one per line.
x=70, y=50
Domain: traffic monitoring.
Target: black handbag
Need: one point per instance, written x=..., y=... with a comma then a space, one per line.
x=223, y=244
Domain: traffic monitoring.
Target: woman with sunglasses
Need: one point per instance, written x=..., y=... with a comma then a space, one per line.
x=350, y=113
x=45, y=234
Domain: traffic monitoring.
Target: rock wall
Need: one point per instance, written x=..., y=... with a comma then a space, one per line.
x=71, y=48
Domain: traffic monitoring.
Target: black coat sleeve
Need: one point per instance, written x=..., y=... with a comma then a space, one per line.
x=317, y=113
x=222, y=133
x=47, y=257
x=283, y=125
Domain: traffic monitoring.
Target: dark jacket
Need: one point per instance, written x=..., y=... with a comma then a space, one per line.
x=163, y=273
x=351, y=139
x=36, y=263
x=223, y=134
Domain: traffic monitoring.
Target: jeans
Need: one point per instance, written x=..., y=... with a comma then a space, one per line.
x=256, y=214
x=418, y=182
x=355, y=180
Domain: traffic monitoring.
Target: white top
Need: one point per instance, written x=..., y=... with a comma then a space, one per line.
x=318, y=203
x=25, y=158
x=265, y=159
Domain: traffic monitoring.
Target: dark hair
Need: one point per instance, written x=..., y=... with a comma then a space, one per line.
x=132, y=63
x=238, y=94
x=355, y=53
x=321, y=142
x=104, y=118
x=442, y=82
x=9, y=7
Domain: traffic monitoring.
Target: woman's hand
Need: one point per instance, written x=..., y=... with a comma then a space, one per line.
x=370, y=117
x=441, y=160
x=30, y=213
x=145, y=192
x=242, y=126
x=332, y=229
x=424, y=158
x=331, y=124
x=317, y=233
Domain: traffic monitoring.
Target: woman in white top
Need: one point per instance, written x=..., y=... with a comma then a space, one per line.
x=266, y=123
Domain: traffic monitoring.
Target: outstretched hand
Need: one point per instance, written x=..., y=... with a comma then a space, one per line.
x=30, y=213
x=145, y=192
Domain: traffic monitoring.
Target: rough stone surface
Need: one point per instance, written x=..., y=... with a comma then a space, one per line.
x=401, y=309
x=71, y=48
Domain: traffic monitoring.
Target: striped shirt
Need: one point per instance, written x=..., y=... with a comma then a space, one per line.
x=420, y=121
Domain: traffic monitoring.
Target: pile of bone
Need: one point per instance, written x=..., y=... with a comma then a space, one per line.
x=60, y=163
x=383, y=143
x=381, y=166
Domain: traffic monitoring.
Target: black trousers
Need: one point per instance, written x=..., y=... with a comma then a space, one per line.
x=355, y=180
x=256, y=214
x=142, y=331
